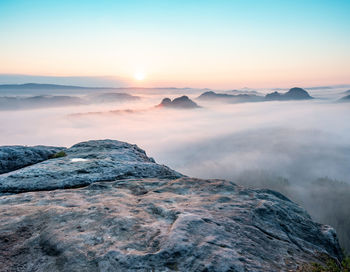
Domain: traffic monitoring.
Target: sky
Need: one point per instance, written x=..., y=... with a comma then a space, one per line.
x=214, y=44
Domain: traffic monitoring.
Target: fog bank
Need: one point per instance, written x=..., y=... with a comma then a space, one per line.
x=300, y=148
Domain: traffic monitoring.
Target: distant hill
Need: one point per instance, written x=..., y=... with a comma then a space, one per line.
x=36, y=86
x=244, y=91
x=293, y=94
x=46, y=89
x=47, y=101
x=111, y=97
x=345, y=98
x=182, y=102
x=39, y=101
x=231, y=98
x=50, y=89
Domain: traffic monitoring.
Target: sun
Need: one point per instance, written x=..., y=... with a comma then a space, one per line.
x=139, y=76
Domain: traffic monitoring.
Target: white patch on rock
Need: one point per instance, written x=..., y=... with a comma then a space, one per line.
x=78, y=160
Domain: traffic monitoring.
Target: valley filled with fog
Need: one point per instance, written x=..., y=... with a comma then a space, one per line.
x=300, y=148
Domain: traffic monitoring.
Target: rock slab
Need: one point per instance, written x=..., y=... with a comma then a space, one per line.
x=86, y=163
x=149, y=218
x=16, y=157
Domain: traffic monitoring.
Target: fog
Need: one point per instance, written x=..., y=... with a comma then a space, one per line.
x=300, y=148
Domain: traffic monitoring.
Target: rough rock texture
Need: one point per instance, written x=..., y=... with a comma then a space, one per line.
x=149, y=224
x=159, y=225
x=15, y=157
x=85, y=163
x=182, y=102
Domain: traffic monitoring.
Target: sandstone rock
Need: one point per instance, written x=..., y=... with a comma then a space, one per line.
x=185, y=224
x=84, y=164
x=16, y=157
x=135, y=215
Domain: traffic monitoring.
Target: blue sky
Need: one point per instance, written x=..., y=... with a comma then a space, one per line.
x=179, y=42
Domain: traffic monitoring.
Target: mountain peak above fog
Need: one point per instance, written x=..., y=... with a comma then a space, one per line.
x=182, y=102
x=295, y=93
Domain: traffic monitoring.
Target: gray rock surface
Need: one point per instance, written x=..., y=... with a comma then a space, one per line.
x=15, y=157
x=185, y=224
x=85, y=163
x=141, y=217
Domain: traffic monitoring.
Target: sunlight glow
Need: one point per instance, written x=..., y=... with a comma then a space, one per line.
x=139, y=76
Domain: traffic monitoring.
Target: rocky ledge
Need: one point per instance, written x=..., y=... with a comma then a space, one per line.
x=132, y=214
x=85, y=163
x=16, y=157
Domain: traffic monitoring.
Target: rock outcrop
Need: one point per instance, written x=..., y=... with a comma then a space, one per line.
x=15, y=157
x=141, y=216
x=182, y=102
x=293, y=94
x=86, y=163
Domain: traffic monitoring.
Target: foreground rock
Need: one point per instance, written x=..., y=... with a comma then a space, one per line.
x=161, y=223
x=182, y=102
x=85, y=163
x=15, y=157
